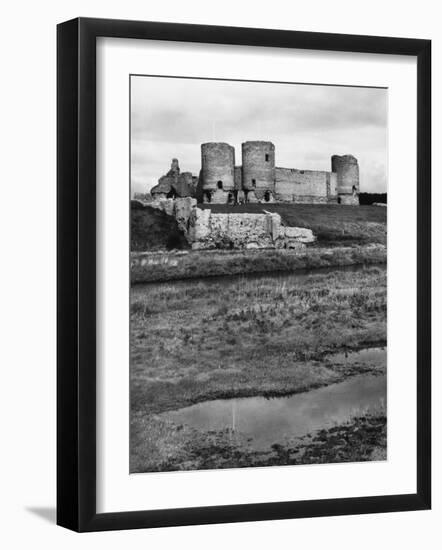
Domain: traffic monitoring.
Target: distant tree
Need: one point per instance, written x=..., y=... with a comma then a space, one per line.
x=370, y=198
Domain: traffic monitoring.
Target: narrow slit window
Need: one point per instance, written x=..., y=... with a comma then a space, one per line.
x=267, y=157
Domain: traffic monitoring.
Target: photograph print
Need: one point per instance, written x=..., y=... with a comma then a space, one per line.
x=258, y=263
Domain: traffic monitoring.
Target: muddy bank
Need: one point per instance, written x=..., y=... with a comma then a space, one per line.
x=363, y=438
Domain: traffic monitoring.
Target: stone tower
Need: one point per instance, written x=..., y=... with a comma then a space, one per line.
x=217, y=172
x=258, y=170
x=347, y=178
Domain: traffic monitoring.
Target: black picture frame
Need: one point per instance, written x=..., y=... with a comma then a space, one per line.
x=76, y=273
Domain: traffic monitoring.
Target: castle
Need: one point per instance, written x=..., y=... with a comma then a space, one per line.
x=258, y=179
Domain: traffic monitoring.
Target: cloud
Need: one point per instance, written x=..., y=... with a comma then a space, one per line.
x=171, y=117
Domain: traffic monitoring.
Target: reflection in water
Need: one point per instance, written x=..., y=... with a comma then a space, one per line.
x=268, y=421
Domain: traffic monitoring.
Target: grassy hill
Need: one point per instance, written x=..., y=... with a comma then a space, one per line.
x=152, y=229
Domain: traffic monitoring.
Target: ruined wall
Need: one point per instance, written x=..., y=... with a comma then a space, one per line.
x=243, y=231
x=175, y=184
x=217, y=171
x=208, y=230
x=179, y=208
x=184, y=186
x=258, y=168
x=164, y=188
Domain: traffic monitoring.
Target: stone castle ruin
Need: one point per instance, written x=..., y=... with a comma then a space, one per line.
x=258, y=179
x=175, y=184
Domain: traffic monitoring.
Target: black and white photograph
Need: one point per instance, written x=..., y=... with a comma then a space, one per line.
x=258, y=266
x=220, y=317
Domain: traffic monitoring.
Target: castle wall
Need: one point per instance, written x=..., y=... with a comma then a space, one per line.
x=333, y=184
x=238, y=178
x=304, y=186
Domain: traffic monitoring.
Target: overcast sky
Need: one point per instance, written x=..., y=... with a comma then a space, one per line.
x=171, y=117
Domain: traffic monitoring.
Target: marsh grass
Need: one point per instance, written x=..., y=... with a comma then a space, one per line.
x=198, y=264
x=248, y=336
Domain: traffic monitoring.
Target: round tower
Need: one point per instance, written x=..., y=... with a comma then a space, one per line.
x=258, y=169
x=217, y=171
x=347, y=178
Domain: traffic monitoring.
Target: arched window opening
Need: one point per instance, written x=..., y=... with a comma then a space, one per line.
x=220, y=184
x=267, y=196
x=267, y=157
x=253, y=183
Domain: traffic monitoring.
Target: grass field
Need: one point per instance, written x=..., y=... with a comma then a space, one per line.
x=248, y=336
